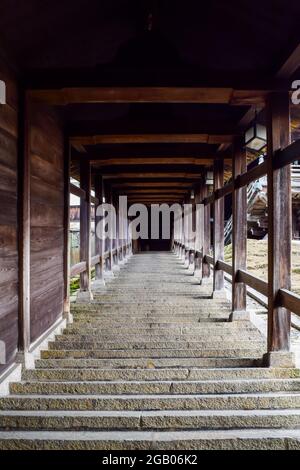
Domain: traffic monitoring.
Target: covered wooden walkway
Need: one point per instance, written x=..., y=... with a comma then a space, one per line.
x=152, y=102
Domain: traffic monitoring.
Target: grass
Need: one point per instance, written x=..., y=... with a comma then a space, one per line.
x=257, y=260
x=74, y=283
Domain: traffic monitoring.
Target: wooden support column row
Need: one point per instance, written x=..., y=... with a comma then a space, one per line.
x=239, y=233
x=99, y=241
x=279, y=230
x=85, y=293
x=67, y=159
x=218, y=229
x=24, y=228
x=109, y=260
x=206, y=237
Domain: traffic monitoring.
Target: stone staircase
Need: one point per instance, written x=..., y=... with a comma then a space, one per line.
x=153, y=363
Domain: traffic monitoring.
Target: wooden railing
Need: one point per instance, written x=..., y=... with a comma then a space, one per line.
x=281, y=158
x=285, y=298
x=81, y=267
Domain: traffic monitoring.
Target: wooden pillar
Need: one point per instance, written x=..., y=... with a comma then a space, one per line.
x=109, y=262
x=116, y=256
x=85, y=231
x=24, y=227
x=206, y=237
x=67, y=160
x=279, y=231
x=99, y=242
x=218, y=228
x=239, y=233
x=199, y=232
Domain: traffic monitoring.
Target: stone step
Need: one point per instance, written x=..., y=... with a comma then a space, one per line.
x=149, y=420
x=230, y=351
x=128, y=338
x=158, y=374
x=195, y=319
x=252, y=401
x=150, y=363
x=275, y=439
x=172, y=345
x=162, y=387
x=182, y=330
x=200, y=305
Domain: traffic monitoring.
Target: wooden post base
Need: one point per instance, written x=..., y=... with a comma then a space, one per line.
x=239, y=315
x=84, y=296
x=98, y=284
x=281, y=359
x=219, y=294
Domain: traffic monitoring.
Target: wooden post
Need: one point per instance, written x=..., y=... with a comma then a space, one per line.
x=116, y=256
x=99, y=242
x=279, y=231
x=206, y=238
x=24, y=228
x=67, y=148
x=199, y=233
x=85, y=231
x=239, y=233
x=109, y=260
x=218, y=229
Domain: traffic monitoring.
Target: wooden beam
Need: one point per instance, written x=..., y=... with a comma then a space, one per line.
x=239, y=233
x=252, y=281
x=85, y=226
x=152, y=184
x=279, y=222
x=290, y=301
x=151, y=139
x=290, y=65
x=287, y=155
x=199, y=161
x=150, y=174
x=218, y=228
x=145, y=191
x=254, y=174
x=67, y=96
x=24, y=225
x=226, y=267
x=79, y=192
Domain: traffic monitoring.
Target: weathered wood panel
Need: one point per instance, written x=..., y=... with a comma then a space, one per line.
x=46, y=147
x=8, y=217
x=279, y=222
x=239, y=229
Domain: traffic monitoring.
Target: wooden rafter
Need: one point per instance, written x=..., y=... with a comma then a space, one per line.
x=151, y=139
x=205, y=95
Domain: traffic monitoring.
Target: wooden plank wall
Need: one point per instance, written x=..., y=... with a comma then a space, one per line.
x=46, y=147
x=8, y=216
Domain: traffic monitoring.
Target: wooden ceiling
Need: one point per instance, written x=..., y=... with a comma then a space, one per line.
x=152, y=106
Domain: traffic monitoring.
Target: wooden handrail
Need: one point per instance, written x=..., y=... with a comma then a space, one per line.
x=80, y=267
x=77, y=269
x=252, y=281
x=223, y=266
x=254, y=174
x=289, y=300
x=79, y=192
x=288, y=155
x=209, y=259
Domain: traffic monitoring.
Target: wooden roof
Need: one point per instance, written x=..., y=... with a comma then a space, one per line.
x=151, y=105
